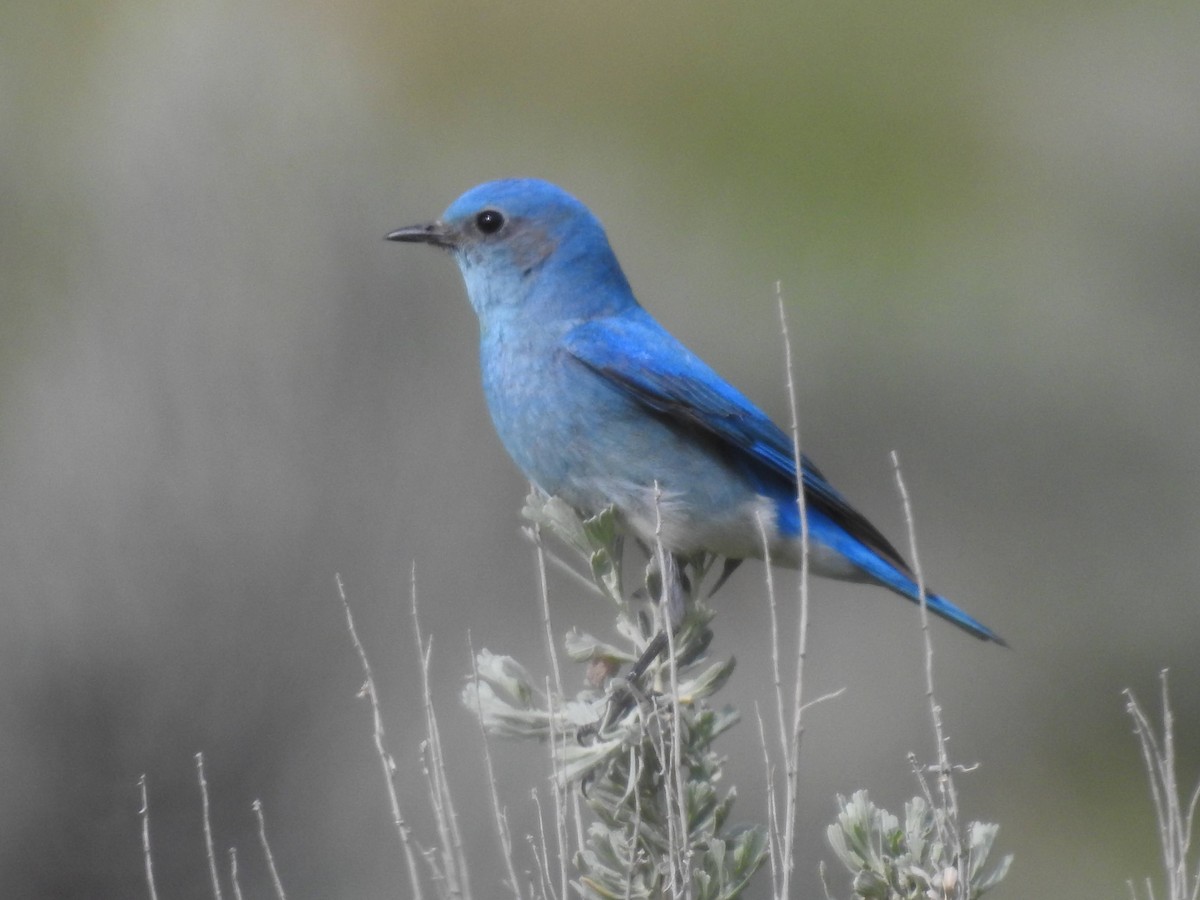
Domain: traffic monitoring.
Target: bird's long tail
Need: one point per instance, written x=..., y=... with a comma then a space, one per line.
x=939, y=605
x=888, y=574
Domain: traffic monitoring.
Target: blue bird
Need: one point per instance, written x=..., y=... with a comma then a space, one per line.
x=597, y=403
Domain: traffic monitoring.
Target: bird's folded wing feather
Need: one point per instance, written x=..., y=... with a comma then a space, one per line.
x=635, y=354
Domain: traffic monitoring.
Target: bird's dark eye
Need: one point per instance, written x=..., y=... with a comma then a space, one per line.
x=489, y=221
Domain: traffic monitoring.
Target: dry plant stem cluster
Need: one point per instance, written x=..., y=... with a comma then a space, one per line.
x=665, y=742
x=1181, y=876
x=214, y=875
x=447, y=861
x=451, y=873
x=388, y=764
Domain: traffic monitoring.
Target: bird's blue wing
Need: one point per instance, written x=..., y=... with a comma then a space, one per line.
x=640, y=358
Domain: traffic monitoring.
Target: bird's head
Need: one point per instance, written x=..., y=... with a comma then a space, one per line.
x=521, y=240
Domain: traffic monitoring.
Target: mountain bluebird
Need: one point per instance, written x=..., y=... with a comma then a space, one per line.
x=600, y=406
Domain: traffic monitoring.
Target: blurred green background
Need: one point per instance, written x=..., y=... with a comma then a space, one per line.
x=219, y=386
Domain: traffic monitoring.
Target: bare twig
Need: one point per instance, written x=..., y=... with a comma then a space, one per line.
x=824, y=882
x=144, y=812
x=208, y=838
x=949, y=834
x=634, y=775
x=542, y=857
x=669, y=578
x=552, y=652
x=544, y=590
x=792, y=759
x=266, y=846
x=773, y=836
x=533, y=535
x=558, y=790
x=454, y=859
x=233, y=874
x=501, y=817
x=386, y=762
x=773, y=607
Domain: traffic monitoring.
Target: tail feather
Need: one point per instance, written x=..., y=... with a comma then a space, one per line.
x=941, y=606
x=887, y=573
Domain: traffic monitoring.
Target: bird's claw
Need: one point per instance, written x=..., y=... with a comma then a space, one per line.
x=624, y=695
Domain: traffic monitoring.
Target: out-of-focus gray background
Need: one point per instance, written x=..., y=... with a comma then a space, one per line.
x=219, y=386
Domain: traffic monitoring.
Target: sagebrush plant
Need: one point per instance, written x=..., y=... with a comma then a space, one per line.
x=911, y=860
x=641, y=756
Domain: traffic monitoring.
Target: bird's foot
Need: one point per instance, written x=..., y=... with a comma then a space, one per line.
x=624, y=694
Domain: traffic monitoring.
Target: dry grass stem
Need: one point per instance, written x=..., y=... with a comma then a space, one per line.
x=144, y=814
x=386, y=761
x=208, y=838
x=945, y=778
x=792, y=758
x=233, y=874
x=541, y=852
x=266, y=848
x=454, y=861
x=501, y=818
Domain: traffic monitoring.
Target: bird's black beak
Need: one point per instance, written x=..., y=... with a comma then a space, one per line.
x=435, y=233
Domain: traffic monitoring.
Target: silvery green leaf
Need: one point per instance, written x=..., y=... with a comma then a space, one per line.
x=707, y=682
x=557, y=517
x=500, y=717
x=980, y=837
x=992, y=878
x=583, y=711
x=583, y=647
x=580, y=759
x=601, y=529
x=506, y=675
x=633, y=632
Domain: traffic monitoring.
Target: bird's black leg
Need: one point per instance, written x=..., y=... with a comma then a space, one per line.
x=673, y=589
x=657, y=645
x=727, y=569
